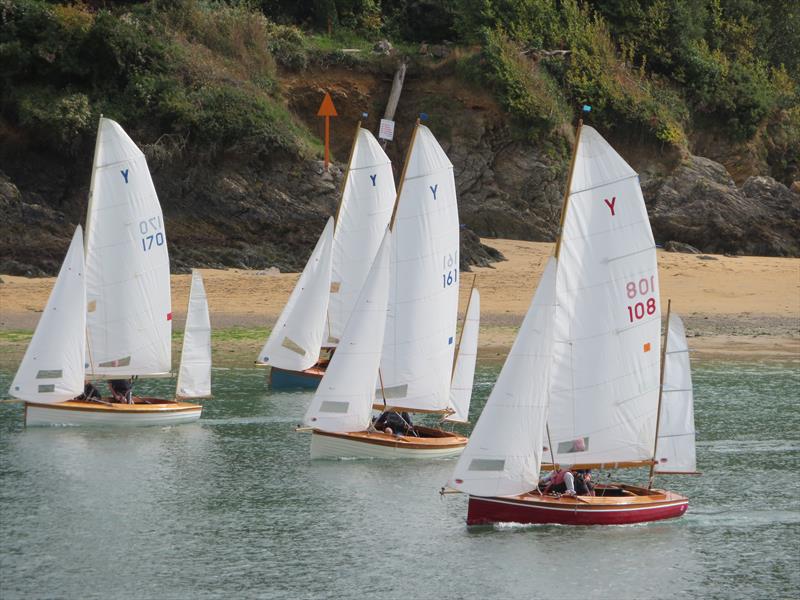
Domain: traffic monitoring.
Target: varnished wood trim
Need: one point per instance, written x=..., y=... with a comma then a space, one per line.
x=132, y=409
x=383, y=439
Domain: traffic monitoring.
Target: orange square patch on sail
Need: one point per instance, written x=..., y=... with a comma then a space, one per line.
x=647, y=347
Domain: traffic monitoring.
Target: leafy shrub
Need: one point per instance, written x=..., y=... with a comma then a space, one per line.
x=287, y=45
x=527, y=92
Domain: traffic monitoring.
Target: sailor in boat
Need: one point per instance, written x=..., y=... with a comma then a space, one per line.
x=560, y=481
x=121, y=390
x=584, y=486
x=392, y=422
x=90, y=392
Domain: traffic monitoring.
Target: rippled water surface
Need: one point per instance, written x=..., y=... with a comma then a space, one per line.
x=232, y=507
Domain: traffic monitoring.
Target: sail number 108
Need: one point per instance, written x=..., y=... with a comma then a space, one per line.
x=639, y=289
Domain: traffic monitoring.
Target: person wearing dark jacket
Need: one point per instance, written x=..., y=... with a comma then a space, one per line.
x=90, y=392
x=121, y=390
x=393, y=423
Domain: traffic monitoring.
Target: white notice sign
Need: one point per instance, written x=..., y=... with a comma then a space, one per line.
x=386, y=131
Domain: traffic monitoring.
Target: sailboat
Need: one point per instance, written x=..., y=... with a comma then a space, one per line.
x=584, y=380
x=126, y=306
x=414, y=351
x=326, y=292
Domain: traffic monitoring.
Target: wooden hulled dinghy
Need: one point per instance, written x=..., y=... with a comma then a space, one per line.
x=612, y=505
x=144, y=411
x=307, y=332
x=281, y=379
x=110, y=313
x=430, y=443
x=402, y=330
x=585, y=377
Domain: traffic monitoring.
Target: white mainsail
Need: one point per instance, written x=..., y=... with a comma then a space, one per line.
x=675, y=449
x=129, y=316
x=504, y=452
x=605, y=377
x=418, y=347
x=295, y=341
x=343, y=400
x=194, y=375
x=52, y=368
x=464, y=373
x=366, y=207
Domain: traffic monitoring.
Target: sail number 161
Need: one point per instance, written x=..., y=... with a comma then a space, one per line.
x=640, y=289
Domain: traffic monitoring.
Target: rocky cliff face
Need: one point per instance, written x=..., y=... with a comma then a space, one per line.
x=257, y=212
x=700, y=204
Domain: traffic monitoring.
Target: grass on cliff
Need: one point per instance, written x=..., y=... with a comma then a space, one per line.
x=200, y=71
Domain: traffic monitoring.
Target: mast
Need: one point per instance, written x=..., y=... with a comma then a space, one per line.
x=347, y=170
x=87, y=231
x=557, y=249
x=461, y=333
x=403, y=174
x=91, y=185
x=569, y=185
x=660, y=396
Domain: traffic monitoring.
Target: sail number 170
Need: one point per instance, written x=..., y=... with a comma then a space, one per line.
x=152, y=233
x=640, y=289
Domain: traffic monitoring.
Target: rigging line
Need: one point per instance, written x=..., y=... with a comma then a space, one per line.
x=599, y=185
x=660, y=395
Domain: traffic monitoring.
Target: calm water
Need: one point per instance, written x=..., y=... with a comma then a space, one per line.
x=232, y=507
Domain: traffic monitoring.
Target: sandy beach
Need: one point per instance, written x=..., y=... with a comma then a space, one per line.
x=734, y=307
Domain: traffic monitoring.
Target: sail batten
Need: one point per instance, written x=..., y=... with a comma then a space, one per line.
x=51, y=370
x=295, y=340
x=129, y=311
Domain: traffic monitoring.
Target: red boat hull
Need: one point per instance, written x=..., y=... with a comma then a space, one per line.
x=624, y=510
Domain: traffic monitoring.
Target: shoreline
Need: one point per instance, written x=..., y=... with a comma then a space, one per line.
x=735, y=308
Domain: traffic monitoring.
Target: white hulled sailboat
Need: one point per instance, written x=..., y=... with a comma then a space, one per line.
x=582, y=379
x=418, y=340
x=127, y=304
x=340, y=267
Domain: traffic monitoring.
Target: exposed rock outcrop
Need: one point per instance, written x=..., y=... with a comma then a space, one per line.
x=699, y=204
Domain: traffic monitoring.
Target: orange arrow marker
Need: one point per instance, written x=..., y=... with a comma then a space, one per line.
x=327, y=110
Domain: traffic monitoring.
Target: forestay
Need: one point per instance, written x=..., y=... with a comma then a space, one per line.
x=605, y=379
x=417, y=360
x=675, y=449
x=127, y=267
x=52, y=368
x=366, y=207
x=194, y=376
x=343, y=400
x=464, y=372
x=504, y=452
x=295, y=341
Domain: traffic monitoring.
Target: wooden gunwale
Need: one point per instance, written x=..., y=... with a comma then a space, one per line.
x=377, y=438
x=161, y=407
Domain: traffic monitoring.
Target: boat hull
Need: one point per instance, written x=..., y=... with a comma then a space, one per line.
x=72, y=412
x=638, y=506
x=362, y=444
x=283, y=379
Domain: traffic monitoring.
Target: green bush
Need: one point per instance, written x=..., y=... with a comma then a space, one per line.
x=526, y=91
